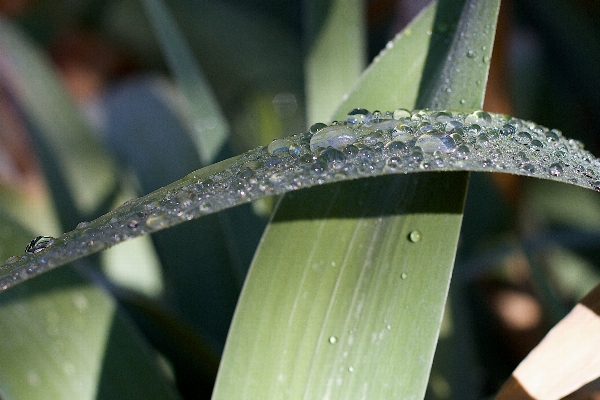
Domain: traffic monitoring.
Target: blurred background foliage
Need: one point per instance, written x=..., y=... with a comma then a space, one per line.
x=529, y=249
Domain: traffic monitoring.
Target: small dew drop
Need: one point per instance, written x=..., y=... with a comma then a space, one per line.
x=333, y=339
x=523, y=138
x=351, y=369
x=462, y=101
x=403, y=276
x=156, y=221
x=279, y=146
x=528, y=167
x=401, y=113
x=470, y=54
x=82, y=225
x=358, y=116
x=462, y=151
x=39, y=243
x=336, y=136
x=414, y=236
x=316, y=128
x=11, y=260
x=555, y=169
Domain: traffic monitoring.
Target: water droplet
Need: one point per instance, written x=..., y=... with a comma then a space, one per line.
x=247, y=174
x=528, y=167
x=553, y=135
x=430, y=143
x=156, y=221
x=333, y=339
x=507, y=130
x=397, y=147
x=133, y=224
x=205, y=207
x=414, y=236
x=39, y=243
x=336, y=136
x=401, y=113
x=316, y=128
x=331, y=156
x=555, y=169
x=394, y=162
x=462, y=151
x=596, y=186
x=404, y=275
x=82, y=225
x=351, y=369
x=184, y=198
x=11, y=260
x=462, y=101
x=272, y=162
x=523, y=138
x=358, y=116
x=481, y=118
x=318, y=166
x=470, y=54
x=279, y=145
x=537, y=145
x=417, y=154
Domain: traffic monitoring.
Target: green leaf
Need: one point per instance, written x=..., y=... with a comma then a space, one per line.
x=347, y=289
x=336, y=54
x=208, y=123
x=265, y=172
x=63, y=338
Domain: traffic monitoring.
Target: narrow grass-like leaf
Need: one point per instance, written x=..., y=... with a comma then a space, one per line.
x=269, y=170
x=211, y=128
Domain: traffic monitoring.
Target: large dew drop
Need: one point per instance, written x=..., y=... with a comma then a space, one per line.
x=336, y=136
x=432, y=143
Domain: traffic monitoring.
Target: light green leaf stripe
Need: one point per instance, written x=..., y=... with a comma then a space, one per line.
x=208, y=123
x=336, y=56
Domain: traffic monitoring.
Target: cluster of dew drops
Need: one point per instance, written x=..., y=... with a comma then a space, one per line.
x=365, y=144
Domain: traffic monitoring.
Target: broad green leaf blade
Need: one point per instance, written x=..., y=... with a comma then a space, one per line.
x=58, y=129
x=322, y=326
x=325, y=335
x=336, y=54
x=211, y=128
x=62, y=338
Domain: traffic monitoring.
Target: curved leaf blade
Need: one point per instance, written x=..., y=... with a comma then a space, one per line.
x=526, y=149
